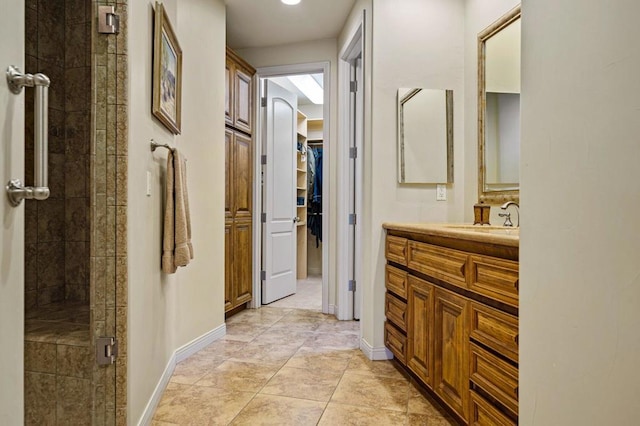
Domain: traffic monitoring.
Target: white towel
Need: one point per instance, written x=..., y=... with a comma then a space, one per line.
x=177, y=249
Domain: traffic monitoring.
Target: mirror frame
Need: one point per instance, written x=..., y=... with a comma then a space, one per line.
x=509, y=193
x=400, y=137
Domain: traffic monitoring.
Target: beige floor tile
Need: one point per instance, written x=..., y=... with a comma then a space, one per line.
x=221, y=349
x=238, y=376
x=276, y=355
x=300, y=383
x=203, y=406
x=342, y=327
x=333, y=340
x=348, y=415
x=420, y=403
x=282, y=337
x=308, y=295
x=289, y=369
x=362, y=365
x=318, y=362
x=244, y=332
x=293, y=323
x=371, y=391
x=172, y=390
x=265, y=317
x=346, y=353
x=279, y=410
x=425, y=420
x=194, y=368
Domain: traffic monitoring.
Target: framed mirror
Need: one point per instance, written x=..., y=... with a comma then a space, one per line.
x=499, y=110
x=425, y=135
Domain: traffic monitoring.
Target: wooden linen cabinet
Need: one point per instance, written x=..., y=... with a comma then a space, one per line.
x=239, y=149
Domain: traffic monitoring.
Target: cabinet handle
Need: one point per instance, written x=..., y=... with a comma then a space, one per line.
x=517, y=339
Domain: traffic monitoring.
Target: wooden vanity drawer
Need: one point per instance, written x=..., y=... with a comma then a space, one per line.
x=396, y=342
x=485, y=414
x=396, y=249
x=495, y=329
x=396, y=281
x=496, y=377
x=396, y=311
x=495, y=278
x=438, y=262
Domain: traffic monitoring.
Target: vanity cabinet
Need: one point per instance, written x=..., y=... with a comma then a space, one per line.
x=420, y=331
x=452, y=318
x=238, y=183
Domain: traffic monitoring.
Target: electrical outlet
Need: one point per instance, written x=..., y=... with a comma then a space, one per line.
x=441, y=192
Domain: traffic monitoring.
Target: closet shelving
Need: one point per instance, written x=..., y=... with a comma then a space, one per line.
x=315, y=127
x=301, y=194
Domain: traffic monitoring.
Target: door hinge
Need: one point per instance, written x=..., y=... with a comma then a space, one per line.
x=353, y=86
x=263, y=275
x=106, y=350
x=263, y=102
x=353, y=152
x=352, y=285
x=352, y=218
x=108, y=21
x=263, y=159
x=263, y=217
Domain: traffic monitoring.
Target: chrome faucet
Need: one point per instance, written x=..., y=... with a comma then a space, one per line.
x=507, y=215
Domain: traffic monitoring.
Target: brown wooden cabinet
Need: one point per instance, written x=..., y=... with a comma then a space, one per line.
x=420, y=329
x=238, y=182
x=238, y=105
x=451, y=336
x=451, y=308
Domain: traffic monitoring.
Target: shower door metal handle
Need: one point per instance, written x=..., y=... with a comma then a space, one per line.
x=16, y=191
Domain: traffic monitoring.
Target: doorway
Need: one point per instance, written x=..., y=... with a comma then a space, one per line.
x=310, y=256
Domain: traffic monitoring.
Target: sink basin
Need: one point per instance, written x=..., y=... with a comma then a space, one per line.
x=500, y=230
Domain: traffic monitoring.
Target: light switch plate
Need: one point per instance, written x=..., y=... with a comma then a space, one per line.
x=441, y=192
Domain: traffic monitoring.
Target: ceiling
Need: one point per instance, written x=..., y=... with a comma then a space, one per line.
x=287, y=84
x=260, y=23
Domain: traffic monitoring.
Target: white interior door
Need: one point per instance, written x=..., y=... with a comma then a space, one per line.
x=279, y=201
x=12, y=219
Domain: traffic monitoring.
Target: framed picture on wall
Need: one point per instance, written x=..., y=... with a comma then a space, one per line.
x=167, y=72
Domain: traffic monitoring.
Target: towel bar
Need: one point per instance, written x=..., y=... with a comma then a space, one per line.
x=155, y=145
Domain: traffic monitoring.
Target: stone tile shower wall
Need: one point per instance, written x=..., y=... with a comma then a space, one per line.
x=56, y=235
x=108, y=208
x=76, y=242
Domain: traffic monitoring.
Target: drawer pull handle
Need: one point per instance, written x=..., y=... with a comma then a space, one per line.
x=517, y=392
x=517, y=339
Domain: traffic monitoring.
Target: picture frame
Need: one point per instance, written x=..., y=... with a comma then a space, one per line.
x=167, y=72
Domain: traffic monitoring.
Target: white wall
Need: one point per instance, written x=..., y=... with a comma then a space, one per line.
x=168, y=311
x=304, y=53
x=580, y=292
x=431, y=56
x=479, y=14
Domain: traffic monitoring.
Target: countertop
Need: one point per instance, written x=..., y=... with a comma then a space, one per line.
x=500, y=235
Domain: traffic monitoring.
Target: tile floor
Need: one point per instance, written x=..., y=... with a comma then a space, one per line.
x=284, y=366
x=308, y=295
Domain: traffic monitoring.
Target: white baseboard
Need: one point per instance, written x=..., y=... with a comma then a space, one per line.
x=332, y=309
x=374, y=354
x=199, y=343
x=178, y=355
